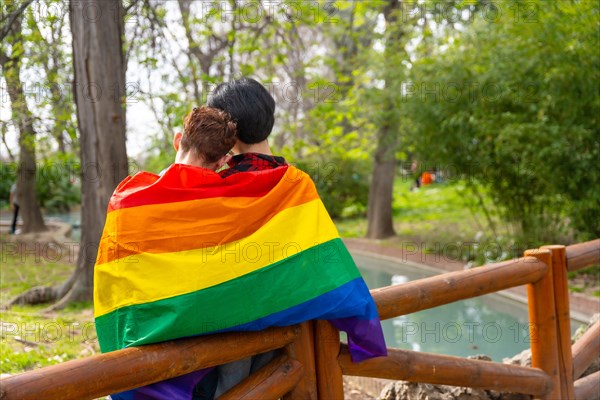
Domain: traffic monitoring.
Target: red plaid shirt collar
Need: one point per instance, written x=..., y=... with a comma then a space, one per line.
x=251, y=162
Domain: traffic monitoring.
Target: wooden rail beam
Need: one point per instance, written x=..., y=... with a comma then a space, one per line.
x=126, y=369
x=588, y=388
x=330, y=382
x=583, y=255
x=415, y=366
x=422, y=294
x=586, y=350
x=268, y=383
x=563, y=319
x=542, y=323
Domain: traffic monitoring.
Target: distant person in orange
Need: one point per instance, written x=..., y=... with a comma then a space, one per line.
x=426, y=178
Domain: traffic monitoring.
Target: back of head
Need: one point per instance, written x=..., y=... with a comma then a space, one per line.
x=209, y=133
x=249, y=104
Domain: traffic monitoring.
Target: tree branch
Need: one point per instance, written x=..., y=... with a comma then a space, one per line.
x=130, y=6
x=4, y=30
x=3, y=132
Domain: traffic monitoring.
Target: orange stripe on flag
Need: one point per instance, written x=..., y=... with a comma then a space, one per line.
x=194, y=224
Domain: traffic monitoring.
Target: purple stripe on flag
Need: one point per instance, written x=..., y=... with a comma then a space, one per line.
x=178, y=388
x=365, y=337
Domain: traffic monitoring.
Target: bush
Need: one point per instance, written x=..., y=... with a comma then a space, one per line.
x=156, y=162
x=342, y=183
x=57, y=183
x=519, y=119
x=9, y=175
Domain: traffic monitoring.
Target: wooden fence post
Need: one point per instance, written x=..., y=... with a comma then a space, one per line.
x=302, y=349
x=542, y=323
x=563, y=319
x=330, y=383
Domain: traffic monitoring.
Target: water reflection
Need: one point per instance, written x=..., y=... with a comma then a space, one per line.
x=72, y=218
x=491, y=324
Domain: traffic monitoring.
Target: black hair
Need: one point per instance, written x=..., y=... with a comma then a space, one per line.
x=249, y=104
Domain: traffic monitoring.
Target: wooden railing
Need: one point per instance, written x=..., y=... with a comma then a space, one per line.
x=314, y=361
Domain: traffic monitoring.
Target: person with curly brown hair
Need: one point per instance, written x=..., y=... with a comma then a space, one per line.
x=208, y=136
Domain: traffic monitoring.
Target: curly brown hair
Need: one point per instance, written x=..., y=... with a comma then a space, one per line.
x=209, y=133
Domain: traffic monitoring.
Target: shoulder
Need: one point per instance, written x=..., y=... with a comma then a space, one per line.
x=252, y=162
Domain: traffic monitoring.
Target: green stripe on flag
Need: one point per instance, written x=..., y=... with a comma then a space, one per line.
x=246, y=299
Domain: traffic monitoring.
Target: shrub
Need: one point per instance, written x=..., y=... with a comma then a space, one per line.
x=342, y=183
x=57, y=182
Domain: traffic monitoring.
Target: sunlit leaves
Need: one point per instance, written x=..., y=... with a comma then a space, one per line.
x=523, y=121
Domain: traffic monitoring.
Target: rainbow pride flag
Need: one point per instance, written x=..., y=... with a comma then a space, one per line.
x=190, y=253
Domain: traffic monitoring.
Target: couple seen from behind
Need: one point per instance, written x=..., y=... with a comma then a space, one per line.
x=228, y=238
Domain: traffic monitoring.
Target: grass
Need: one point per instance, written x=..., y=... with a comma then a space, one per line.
x=21, y=272
x=30, y=338
x=432, y=217
x=438, y=217
x=436, y=212
x=586, y=281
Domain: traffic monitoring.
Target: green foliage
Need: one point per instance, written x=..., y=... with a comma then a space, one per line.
x=513, y=106
x=9, y=175
x=440, y=219
x=592, y=271
x=155, y=163
x=342, y=184
x=57, y=182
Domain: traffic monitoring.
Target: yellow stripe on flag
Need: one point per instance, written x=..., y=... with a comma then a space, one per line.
x=146, y=277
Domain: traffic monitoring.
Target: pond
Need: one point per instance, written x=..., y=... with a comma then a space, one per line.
x=492, y=324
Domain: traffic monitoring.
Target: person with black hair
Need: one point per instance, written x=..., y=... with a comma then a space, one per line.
x=253, y=108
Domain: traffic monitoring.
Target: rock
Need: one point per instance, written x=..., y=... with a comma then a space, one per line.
x=581, y=330
x=595, y=365
x=481, y=357
x=523, y=359
x=423, y=391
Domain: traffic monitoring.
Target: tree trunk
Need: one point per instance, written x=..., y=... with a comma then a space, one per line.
x=26, y=194
x=99, y=65
x=99, y=89
x=379, y=212
x=26, y=174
